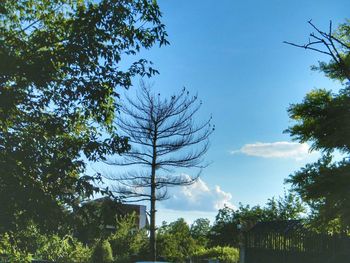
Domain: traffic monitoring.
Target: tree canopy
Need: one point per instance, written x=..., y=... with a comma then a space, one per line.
x=60, y=71
x=200, y=230
x=323, y=119
x=175, y=242
x=225, y=230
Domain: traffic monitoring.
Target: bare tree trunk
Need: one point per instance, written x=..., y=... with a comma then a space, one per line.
x=153, y=224
x=153, y=245
x=163, y=136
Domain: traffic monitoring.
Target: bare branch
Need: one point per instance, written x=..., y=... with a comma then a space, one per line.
x=163, y=136
x=308, y=46
x=326, y=43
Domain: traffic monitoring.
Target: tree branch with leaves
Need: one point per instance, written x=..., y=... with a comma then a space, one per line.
x=323, y=119
x=60, y=75
x=335, y=44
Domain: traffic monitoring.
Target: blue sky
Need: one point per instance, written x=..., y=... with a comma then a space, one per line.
x=231, y=53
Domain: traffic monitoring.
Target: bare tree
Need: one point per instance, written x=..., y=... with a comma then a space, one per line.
x=332, y=44
x=163, y=136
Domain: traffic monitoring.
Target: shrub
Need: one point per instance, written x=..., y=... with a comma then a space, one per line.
x=175, y=242
x=223, y=254
x=103, y=252
x=128, y=241
x=29, y=243
x=10, y=251
x=63, y=250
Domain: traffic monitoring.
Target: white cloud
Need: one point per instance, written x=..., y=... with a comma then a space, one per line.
x=198, y=197
x=293, y=150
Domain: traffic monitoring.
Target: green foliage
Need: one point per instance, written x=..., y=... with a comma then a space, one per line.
x=29, y=243
x=200, y=230
x=323, y=118
x=128, y=241
x=288, y=207
x=324, y=185
x=103, y=252
x=223, y=254
x=63, y=250
x=175, y=242
x=10, y=251
x=59, y=74
x=91, y=219
x=225, y=230
x=333, y=69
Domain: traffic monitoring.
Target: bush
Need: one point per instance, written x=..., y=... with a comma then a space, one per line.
x=63, y=250
x=174, y=241
x=127, y=242
x=103, y=252
x=29, y=243
x=11, y=252
x=223, y=254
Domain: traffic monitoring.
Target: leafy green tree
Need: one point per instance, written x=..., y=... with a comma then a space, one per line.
x=11, y=252
x=225, y=230
x=200, y=230
x=30, y=243
x=61, y=65
x=92, y=217
x=128, y=242
x=63, y=250
x=103, y=252
x=323, y=118
x=175, y=242
x=336, y=45
x=288, y=207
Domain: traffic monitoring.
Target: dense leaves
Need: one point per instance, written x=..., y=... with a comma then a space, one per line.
x=29, y=243
x=323, y=118
x=103, y=252
x=91, y=219
x=124, y=244
x=128, y=242
x=175, y=242
x=179, y=242
x=200, y=230
x=223, y=254
x=324, y=185
x=229, y=222
x=60, y=71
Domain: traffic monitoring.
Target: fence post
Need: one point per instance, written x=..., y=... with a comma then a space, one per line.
x=242, y=254
x=241, y=247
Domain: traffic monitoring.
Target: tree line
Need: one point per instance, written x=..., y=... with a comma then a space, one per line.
x=61, y=77
x=177, y=241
